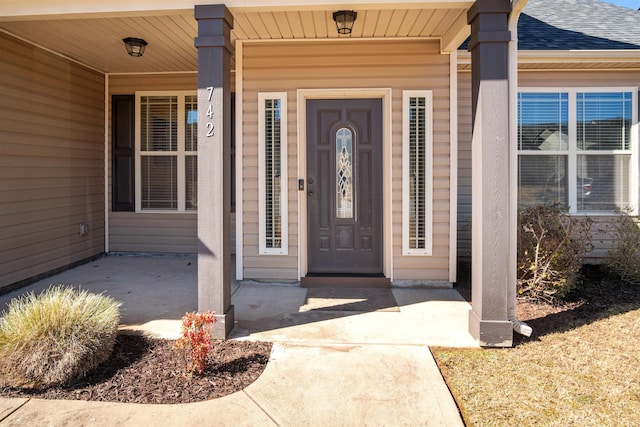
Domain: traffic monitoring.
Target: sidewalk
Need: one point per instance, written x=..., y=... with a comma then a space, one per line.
x=336, y=361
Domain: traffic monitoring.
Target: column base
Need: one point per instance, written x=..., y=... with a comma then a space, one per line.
x=491, y=333
x=224, y=324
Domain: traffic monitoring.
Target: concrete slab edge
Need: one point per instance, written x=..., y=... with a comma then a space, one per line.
x=13, y=411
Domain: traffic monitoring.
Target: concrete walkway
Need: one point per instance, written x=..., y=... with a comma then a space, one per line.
x=332, y=364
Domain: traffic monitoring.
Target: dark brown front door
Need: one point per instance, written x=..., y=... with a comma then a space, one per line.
x=344, y=186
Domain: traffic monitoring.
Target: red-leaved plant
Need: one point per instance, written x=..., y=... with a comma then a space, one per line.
x=195, y=342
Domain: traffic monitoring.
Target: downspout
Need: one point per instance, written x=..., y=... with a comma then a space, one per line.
x=516, y=9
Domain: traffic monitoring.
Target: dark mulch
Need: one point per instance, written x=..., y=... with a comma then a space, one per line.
x=596, y=293
x=592, y=298
x=147, y=370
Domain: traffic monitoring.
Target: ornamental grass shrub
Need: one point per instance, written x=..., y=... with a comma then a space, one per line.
x=552, y=246
x=623, y=259
x=55, y=337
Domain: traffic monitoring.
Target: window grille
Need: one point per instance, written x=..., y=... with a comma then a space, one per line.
x=167, y=152
x=575, y=147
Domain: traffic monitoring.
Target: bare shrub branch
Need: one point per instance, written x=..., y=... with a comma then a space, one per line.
x=551, y=250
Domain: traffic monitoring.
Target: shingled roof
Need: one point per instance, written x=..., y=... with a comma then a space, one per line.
x=578, y=25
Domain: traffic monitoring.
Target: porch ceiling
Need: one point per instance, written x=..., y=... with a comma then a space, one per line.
x=96, y=40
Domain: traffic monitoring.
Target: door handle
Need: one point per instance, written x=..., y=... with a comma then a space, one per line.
x=310, y=194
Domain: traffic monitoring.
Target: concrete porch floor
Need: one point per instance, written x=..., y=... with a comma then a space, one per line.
x=338, y=358
x=156, y=291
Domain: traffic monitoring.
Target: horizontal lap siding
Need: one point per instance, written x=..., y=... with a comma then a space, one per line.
x=153, y=232
x=464, y=165
x=399, y=65
x=602, y=238
x=51, y=162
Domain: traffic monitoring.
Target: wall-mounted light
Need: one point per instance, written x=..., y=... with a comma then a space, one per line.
x=135, y=47
x=344, y=20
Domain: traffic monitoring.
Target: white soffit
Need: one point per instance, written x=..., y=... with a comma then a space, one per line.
x=96, y=39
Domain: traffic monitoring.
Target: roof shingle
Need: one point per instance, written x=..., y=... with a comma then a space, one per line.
x=578, y=25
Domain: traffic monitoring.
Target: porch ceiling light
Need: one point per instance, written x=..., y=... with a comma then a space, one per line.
x=344, y=20
x=135, y=47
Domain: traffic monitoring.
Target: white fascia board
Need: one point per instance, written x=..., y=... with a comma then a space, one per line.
x=29, y=9
x=565, y=56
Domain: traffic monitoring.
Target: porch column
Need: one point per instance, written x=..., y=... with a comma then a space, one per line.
x=214, y=164
x=491, y=197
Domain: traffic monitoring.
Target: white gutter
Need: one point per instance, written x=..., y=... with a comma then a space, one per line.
x=518, y=326
x=567, y=56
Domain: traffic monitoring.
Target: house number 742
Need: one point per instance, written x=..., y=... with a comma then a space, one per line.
x=209, y=123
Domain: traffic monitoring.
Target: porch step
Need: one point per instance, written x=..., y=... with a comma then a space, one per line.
x=344, y=282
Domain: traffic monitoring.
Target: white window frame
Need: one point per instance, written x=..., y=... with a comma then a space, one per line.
x=284, y=202
x=572, y=152
x=428, y=170
x=181, y=152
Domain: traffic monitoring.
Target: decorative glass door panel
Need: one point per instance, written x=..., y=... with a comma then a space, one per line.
x=344, y=186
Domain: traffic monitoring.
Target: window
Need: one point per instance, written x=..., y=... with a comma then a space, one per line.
x=344, y=173
x=272, y=173
x=577, y=147
x=166, y=152
x=417, y=140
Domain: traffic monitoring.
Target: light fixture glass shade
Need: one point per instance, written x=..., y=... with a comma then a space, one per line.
x=135, y=47
x=344, y=20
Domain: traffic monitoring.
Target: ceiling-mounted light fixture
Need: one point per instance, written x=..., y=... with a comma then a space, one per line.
x=344, y=20
x=135, y=47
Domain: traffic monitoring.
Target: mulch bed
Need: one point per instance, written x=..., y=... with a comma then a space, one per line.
x=147, y=370
x=589, y=301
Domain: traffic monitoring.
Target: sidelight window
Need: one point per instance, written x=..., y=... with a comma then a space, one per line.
x=417, y=136
x=272, y=173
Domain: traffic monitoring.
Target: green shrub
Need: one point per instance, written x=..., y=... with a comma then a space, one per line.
x=56, y=336
x=551, y=250
x=623, y=259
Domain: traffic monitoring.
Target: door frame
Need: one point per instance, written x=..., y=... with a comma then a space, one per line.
x=385, y=94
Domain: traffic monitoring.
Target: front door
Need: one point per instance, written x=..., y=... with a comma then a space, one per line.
x=344, y=186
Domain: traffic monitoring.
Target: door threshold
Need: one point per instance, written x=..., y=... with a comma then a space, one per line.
x=344, y=281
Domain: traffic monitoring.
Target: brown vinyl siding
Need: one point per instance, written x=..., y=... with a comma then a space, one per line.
x=464, y=165
x=399, y=65
x=601, y=238
x=153, y=232
x=51, y=161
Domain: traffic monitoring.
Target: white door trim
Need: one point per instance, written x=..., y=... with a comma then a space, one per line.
x=385, y=94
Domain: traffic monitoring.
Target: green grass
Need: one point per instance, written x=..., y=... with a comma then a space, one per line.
x=56, y=336
x=587, y=376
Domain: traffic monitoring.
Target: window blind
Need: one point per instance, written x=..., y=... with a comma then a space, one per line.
x=417, y=172
x=273, y=220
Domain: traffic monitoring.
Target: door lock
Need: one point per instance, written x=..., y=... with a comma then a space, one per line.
x=301, y=184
